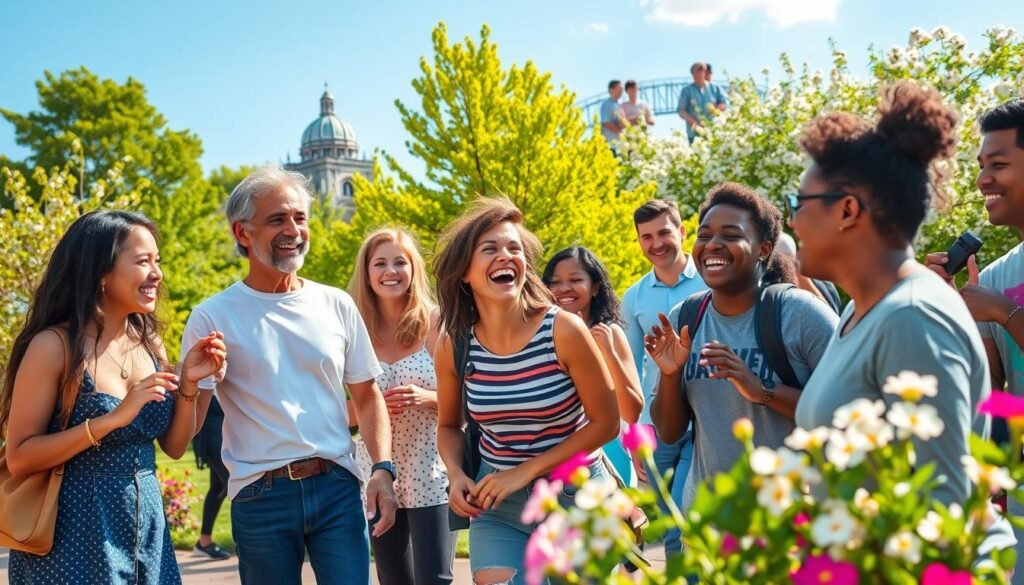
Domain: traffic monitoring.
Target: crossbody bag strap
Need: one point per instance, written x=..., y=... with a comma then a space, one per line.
x=64, y=374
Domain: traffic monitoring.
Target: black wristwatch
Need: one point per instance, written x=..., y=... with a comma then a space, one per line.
x=386, y=466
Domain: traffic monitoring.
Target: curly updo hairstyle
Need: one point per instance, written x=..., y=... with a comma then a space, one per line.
x=893, y=160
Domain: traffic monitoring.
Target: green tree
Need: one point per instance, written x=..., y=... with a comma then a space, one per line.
x=34, y=225
x=483, y=129
x=113, y=128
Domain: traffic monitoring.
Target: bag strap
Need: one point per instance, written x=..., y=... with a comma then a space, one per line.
x=692, y=311
x=64, y=374
x=768, y=331
x=461, y=346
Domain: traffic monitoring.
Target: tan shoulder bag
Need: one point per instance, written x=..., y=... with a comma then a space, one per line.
x=28, y=504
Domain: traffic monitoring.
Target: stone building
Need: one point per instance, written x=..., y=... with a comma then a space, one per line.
x=330, y=157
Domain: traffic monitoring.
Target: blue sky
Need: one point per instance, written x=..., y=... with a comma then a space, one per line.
x=246, y=76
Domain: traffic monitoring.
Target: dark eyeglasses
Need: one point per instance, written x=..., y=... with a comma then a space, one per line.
x=795, y=200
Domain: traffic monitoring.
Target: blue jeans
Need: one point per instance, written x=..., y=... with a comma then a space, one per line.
x=675, y=456
x=276, y=521
x=497, y=538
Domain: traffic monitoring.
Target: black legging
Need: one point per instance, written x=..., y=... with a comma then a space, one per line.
x=418, y=550
x=218, y=491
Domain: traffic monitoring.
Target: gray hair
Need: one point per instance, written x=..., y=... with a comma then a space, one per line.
x=240, y=206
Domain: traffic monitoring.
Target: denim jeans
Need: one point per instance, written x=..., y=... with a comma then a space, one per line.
x=675, y=456
x=497, y=538
x=276, y=521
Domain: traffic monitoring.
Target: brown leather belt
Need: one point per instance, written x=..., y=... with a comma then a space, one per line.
x=303, y=468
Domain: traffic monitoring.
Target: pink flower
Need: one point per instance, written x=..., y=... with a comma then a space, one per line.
x=543, y=499
x=550, y=549
x=566, y=472
x=819, y=569
x=799, y=520
x=1003, y=405
x=730, y=545
x=639, y=438
x=939, y=574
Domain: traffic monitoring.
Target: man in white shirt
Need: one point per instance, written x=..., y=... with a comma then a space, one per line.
x=296, y=346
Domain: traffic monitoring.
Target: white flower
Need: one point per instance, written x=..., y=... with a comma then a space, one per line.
x=605, y=530
x=776, y=494
x=619, y=505
x=1003, y=90
x=921, y=420
x=843, y=453
x=958, y=42
x=901, y=489
x=836, y=526
x=904, y=545
x=765, y=461
x=995, y=477
x=871, y=434
x=857, y=412
x=865, y=503
x=941, y=32
x=594, y=493
x=919, y=37
x=956, y=511
x=802, y=440
x=910, y=386
x=930, y=527
x=577, y=516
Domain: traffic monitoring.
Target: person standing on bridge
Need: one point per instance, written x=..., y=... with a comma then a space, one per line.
x=613, y=121
x=699, y=100
x=635, y=110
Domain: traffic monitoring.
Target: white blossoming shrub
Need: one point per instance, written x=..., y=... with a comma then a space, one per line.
x=756, y=140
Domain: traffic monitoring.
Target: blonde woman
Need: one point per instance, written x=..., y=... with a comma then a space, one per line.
x=390, y=289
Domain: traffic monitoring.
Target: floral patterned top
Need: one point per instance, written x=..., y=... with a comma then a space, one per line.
x=422, y=477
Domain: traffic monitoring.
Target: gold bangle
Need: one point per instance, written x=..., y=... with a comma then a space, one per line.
x=189, y=397
x=92, y=438
x=1010, y=316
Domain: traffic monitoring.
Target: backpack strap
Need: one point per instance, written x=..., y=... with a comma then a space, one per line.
x=768, y=330
x=463, y=368
x=692, y=311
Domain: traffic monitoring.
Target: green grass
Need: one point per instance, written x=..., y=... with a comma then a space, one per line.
x=186, y=539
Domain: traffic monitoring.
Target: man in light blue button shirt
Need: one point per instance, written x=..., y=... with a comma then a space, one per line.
x=672, y=279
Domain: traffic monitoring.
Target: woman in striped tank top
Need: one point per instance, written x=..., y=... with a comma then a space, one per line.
x=537, y=384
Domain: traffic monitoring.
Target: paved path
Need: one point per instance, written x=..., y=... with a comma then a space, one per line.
x=196, y=571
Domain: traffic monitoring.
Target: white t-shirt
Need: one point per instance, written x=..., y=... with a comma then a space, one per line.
x=289, y=355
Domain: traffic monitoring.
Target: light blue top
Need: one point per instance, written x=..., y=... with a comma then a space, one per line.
x=610, y=111
x=697, y=101
x=640, y=307
x=1006, y=276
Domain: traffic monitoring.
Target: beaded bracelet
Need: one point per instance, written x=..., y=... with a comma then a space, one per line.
x=1010, y=316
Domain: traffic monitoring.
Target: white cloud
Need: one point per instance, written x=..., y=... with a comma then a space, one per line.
x=598, y=27
x=704, y=13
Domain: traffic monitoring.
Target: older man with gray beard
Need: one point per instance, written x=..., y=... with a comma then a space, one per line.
x=295, y=346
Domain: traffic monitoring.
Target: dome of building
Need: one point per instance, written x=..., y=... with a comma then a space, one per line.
x=328, y=136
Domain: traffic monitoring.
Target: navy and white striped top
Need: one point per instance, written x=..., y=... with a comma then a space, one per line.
x=524, y=403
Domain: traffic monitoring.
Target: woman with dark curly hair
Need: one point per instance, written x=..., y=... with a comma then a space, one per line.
x=581, y=285
x=858, y=209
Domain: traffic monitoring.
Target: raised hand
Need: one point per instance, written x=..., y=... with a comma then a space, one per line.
x=152, y=388
x=726, y=365
x=401, y=398
x=984, y=303
x=668, y=350
x=206, y=358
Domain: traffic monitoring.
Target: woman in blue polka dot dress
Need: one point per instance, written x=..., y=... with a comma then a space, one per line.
x=85, y=388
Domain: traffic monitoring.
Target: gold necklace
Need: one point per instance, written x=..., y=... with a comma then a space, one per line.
x=124, y=362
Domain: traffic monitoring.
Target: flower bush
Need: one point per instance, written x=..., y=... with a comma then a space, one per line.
x=843, y=504
x=755, y=141
x=179, y=495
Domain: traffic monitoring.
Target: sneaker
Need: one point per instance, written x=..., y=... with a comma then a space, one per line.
x=211, y=551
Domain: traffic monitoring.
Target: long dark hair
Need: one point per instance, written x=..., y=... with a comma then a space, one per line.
x=69, y=295
x=454, y=252
x=778, y=268
x=605, y=307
